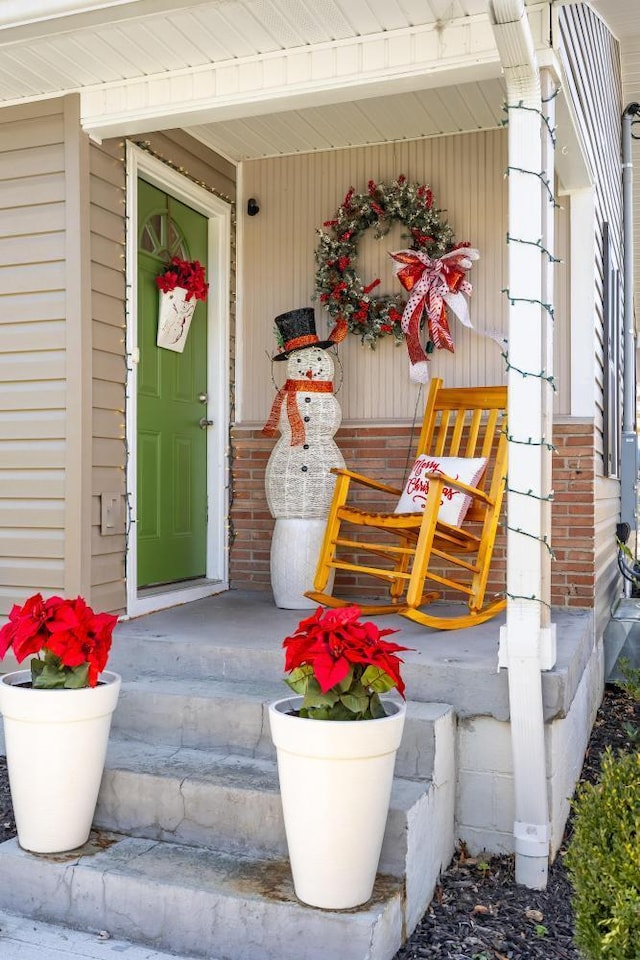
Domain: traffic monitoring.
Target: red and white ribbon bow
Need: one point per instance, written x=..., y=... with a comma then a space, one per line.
x=433, y=285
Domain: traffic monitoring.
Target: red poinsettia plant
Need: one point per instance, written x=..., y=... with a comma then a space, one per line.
x=188, y=274
x=341, y=665
x=71, y=642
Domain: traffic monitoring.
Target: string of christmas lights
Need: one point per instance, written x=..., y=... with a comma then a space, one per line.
x=506, y=107
x=549, y=497
x=541, y=177
x=530, y=442
x=543, y=375
x=521, y=596
x=534, y=243
x=533, y=536
x=546, y=306
x=146, y=146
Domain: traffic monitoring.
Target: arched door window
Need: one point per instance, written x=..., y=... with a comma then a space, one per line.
x=162, y=238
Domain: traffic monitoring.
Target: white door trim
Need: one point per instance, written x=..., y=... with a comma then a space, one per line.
x=218, y=212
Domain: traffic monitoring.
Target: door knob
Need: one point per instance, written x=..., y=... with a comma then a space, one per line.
x=204, y=423
x=203, y=397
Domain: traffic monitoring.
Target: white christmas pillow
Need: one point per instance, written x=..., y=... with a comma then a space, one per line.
x=454, y=503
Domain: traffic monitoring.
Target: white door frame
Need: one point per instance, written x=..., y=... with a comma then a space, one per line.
x=218, y=213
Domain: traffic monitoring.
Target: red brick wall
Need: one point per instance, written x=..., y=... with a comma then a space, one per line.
x=383, y=452
x=573, y=516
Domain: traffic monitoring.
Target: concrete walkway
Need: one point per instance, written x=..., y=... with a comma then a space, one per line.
x=24, y=939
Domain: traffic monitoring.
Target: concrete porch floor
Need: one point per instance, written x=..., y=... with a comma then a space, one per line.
x=458, y=667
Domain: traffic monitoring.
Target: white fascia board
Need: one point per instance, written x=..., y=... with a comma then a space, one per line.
x=391, y=62
x=17, y=13
x=22, y=20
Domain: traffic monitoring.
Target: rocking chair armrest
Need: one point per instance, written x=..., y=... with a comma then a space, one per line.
x=366, y=481
x=472, y=491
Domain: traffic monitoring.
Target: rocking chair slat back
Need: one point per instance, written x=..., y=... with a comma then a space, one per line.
x=465, y=422
x=458, y=422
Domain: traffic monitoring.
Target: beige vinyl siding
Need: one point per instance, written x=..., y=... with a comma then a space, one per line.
x=78, y=355
x=32, y=351
x=591, y=60
x=108, y=452
x=298, y=193
x=606, y=515
x=630, y=49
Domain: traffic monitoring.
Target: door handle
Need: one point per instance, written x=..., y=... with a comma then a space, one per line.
x=204, y=423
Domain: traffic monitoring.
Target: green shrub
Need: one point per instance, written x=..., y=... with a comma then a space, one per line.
x=630, y=683
x=603, y=861
x=630, y=678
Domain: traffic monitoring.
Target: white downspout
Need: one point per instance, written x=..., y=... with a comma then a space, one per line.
x=527, y=586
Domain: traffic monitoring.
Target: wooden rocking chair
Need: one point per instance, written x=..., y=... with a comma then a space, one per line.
x=408, y=549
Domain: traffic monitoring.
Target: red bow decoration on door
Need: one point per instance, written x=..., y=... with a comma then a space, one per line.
x=432, y=285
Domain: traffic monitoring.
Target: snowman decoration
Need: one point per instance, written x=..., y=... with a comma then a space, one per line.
x=299, y=484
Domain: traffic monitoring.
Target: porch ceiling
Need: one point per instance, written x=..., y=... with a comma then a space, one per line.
x=259, y=78
x=621, y=16
x=255, y=78
x=408, y=116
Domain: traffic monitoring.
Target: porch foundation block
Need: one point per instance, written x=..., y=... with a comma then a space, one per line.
x=485, y=797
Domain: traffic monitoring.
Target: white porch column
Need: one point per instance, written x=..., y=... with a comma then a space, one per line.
x=549, y=89
x=529, y=444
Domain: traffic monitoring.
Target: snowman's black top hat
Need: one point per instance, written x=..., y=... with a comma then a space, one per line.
x=298, y=330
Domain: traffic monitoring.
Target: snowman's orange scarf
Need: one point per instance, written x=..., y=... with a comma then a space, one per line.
x=289, y=390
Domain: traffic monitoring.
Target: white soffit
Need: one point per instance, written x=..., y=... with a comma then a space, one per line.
x=261, y=77
x=140, y=64
x=621, y=16
x=424, y=113
x=118, y=42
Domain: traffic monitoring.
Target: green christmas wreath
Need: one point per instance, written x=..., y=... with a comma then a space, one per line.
x=340, y=289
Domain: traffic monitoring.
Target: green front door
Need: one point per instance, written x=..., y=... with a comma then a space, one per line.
x=171, y=512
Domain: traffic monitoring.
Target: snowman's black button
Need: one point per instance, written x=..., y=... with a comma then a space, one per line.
x=304, y=469
x=305, y=446
x=307, y=399
x=306, y=419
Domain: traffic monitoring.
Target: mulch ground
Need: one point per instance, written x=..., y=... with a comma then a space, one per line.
x=7, y=823
x=478, y=911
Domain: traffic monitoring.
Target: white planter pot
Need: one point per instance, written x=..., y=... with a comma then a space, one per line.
x=335, y=782
x=56, y=743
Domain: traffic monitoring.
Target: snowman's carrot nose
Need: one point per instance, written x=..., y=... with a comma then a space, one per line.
x=309, y=374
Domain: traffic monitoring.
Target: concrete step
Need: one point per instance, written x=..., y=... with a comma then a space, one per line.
x=26, y=939
x=195, y=902
x=225, y=802
x=196, y=713
x=222, y=800
x=199, y=655
x=238, y=635
x=190, y=854
x=227, y=715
